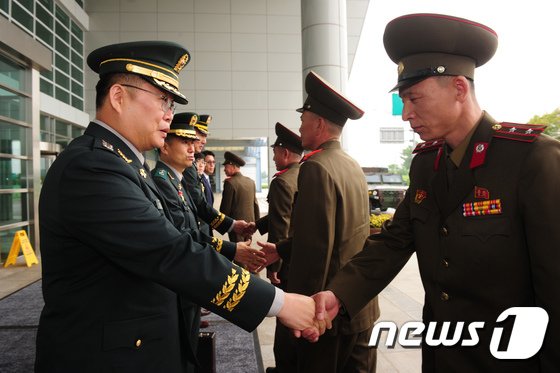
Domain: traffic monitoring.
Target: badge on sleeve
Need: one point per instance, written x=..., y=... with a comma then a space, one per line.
x=420, y=196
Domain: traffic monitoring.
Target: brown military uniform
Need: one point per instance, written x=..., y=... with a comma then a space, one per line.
x=331, y=223
x=475, y=262
x=239, y=201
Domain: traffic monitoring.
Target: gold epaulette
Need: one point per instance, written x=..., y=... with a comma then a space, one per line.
x=428, y=145
x=518, y=132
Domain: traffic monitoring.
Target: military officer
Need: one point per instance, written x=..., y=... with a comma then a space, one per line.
x=177, y=154
x=480, y=213
x=239, y=198
x=288, y=151
x=209, y=217
x=331, y=222
x=112, y=262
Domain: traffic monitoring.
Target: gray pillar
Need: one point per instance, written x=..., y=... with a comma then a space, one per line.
x=325, y=41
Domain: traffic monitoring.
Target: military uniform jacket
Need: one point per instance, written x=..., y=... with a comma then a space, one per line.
x=281, y=199
x=112, y=267
x=475, y=266
x=239, y=200
x=183, y=211
x=207, y=214
x=331, y=223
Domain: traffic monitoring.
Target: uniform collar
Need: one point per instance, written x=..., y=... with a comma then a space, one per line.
x=177, y=174
x=136, y=152
x=457, y=154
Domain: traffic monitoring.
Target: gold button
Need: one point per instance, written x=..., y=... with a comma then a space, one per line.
x=445, y=263
x=138, y=342
x=444, y=296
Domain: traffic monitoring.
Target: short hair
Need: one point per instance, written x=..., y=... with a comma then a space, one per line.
x=198, y=156
x=209, y=152
x=107, y=81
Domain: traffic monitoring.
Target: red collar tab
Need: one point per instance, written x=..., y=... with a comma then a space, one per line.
x=518, y=132
x=428, y=145
x=479, y=154
x=310, y=154
x=280, y=172
x=438, y=157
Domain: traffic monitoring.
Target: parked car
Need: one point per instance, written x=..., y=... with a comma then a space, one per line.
x=385, y=191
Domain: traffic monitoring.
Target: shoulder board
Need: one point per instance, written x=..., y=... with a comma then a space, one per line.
x=161, y=173
x=428, y=145
x=518, y=132
x=310, y=154
x=280, y=172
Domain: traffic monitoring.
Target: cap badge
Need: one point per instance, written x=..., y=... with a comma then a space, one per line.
x=440, y=69
x=194, y=118
x=400, y=68
x=181, y=63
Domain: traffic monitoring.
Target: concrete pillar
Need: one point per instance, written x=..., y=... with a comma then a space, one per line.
x=325, y=41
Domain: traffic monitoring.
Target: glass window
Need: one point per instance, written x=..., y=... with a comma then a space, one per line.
x=43, y=33
x=48, y=4
x=77, y=59
x=62, y=17
x=62, y=95
x=391, y=135
x=77, y=88
x=14, y=173
x=5, y=5
x=62, y=48
x=77, y=74
x=46, y=87
x=13, y=139
x=12, y=105
x=78, y=103
x=77, y=131
x=80, y=3
x=61, y=63
x=44, y=16
x=62, y=32
x=77, y=31
x=77, y=44
x=62, y=128
x=12, y=75
x=62, y=80
x=22, y=16
x=27, y=4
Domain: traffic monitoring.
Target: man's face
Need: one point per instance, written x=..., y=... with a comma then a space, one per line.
x=201, y=142
x=309, y=129
x=200, y=164
x=430, y=107
x=178, y=152
x=279, y=158
x=230, y=170
x=210, y=164
x=145, y=112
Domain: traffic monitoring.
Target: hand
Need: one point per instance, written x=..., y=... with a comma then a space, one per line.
x=327, y=305
x=269, y=250
x=297, y=312
x=239, y=226
x=273, y=277
x=253, y=259
x=250, y=229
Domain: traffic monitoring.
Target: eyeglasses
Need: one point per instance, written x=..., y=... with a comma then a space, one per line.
x=167, y=102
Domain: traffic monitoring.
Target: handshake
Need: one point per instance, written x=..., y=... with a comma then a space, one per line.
x=309, y=317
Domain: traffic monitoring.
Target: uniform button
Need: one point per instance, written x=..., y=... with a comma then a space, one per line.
x=445, y=263
x=138, y=343
x=444, y=231
x=444, y=296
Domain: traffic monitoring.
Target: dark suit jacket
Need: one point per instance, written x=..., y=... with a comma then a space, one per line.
x=208, y=193
x=113, y=265
x=331, y=223
x=239, y=200
x=281, y=198
x=474, y=267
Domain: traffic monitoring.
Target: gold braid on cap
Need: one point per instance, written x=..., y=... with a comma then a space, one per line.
x=132, y=66
x=184, y=133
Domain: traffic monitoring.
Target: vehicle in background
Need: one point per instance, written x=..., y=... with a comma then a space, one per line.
x=385, y=191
